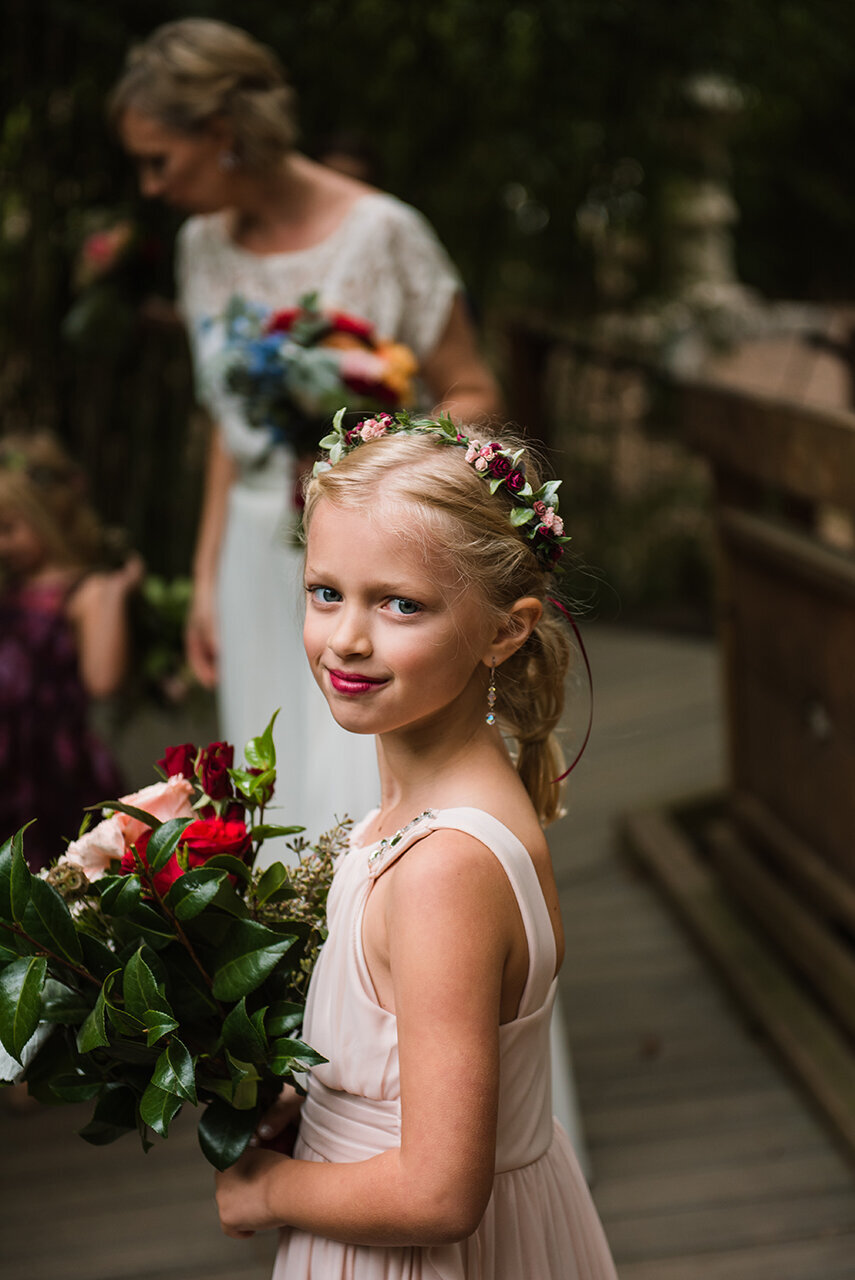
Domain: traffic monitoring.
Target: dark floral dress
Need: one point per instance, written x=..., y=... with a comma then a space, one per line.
x=51, y=764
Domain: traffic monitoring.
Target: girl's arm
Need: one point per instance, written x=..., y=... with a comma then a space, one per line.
x=450, y=916
x=455, y=372
x=201, y=634
x=98, y=611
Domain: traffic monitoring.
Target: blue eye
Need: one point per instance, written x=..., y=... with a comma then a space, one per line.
x=403, y=607
x=324, y=595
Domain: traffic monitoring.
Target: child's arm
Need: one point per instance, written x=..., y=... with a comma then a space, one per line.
x=201, y=635
x=451, y=917
x=98, y=610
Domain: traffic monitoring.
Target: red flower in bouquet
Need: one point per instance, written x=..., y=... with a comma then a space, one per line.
x=214, y=766
x=181, y=759
x=282, y=321
x=202, y=840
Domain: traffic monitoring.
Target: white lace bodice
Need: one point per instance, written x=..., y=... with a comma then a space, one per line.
x=383, y=263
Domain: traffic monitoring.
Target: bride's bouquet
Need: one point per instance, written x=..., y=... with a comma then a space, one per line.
x=152, y=965
x=292, y=369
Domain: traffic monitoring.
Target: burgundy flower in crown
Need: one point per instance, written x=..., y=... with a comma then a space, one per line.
x=534, y=513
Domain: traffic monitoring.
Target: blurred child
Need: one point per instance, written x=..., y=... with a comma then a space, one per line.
x=63, y=641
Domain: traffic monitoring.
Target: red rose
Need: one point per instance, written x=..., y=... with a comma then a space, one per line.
x=500, y=468
x=202, y=840
x=214, y=765
x=515, y=481
x=351, y=324
x=281, y=321
x=179, y=760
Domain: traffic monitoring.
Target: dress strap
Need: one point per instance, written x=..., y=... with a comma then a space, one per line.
x=518, y=867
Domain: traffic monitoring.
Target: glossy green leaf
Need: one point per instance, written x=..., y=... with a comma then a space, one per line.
x=283, y=1017
x=140, y=988
x=76, y=1088
x=157, y=1025
x=224, y=1133
x=144, y=923
x=164, y=841
x=158, y=1108
x=175, y=1071
x=119, y=806
x=292, y=1055
x=6, y=879
x=93, y=1033
x=233, y=865
x=64, y=1005
x=19, y=881
x=21, y=984
x=97, y=957
x=49, y=921
x=120, y=894
x=115, y=1114
x=248, y=954
x=271, y=881
x=244, y=1036
x=269, y=831
x=191, y=894
x=260, y=752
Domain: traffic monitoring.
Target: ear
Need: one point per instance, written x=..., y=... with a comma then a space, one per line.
x=519, y=622
x=221, y=132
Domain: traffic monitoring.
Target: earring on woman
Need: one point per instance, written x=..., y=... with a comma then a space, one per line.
x=491, y=694
x=227, y=161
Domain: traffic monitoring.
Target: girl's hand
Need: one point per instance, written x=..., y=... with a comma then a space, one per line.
x=242, y=1199
x=277, y=1130
x=132, y=572
x=202, y=641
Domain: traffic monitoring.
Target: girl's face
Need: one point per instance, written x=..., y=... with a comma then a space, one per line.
x=22, y=552
x=387, y=646
x=183, y=169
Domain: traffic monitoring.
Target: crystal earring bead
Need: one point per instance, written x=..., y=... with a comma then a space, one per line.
x=491, y=696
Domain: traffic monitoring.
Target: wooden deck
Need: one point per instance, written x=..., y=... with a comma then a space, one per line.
x=708, y=1164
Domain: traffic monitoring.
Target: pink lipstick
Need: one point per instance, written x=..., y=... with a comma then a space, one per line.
x=352, y=683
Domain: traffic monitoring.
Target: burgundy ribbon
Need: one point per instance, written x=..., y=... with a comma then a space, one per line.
x=560, y=607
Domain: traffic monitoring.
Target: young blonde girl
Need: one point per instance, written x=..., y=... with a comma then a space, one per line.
x=63, y=641
x=427, y=1147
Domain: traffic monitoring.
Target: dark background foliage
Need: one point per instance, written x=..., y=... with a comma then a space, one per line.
x=500, y=120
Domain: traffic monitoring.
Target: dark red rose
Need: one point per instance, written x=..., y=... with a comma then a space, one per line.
x=515, y=481
x=179, y=760
x=371, y=389
x=500, y=468
x=282, y=321
x=214, y=765
x=352, y=324
x=163, y=878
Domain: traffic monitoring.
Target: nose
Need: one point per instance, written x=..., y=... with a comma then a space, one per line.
x=351, y=637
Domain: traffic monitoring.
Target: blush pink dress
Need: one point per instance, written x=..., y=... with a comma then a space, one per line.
x=540, y=1223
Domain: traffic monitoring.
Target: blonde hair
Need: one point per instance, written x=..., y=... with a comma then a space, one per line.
x=470, y=529
x=41, y=484
x=190, y=72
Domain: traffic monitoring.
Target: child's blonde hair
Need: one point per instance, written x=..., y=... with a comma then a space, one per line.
x=467, y=538
x=41, y=484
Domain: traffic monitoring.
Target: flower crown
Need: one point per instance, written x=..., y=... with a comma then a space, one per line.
x=535, y=513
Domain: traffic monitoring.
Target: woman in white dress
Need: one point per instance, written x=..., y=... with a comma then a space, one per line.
x=205, y=112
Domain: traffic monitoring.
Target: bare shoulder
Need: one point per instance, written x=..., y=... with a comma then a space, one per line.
x=449, y=869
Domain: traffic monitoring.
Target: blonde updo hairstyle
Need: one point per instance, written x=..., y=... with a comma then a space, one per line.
x=467, y=539
x=189, y=73
x=40, y=484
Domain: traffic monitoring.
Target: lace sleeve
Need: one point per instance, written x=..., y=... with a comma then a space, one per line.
x=427, y=278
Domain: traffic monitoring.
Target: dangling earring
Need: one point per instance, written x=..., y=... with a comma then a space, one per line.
x=491, y=694
x=227, y=161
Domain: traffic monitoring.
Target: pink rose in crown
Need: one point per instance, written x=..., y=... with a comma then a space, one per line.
x=96, y=849
x=163, y=800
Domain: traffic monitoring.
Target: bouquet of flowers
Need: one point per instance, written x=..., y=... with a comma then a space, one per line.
x=293, y=369
x=152, y=966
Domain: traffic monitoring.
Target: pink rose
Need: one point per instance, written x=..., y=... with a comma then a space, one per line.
x=163, y=800
x=95, y=850
x=539, y=508
x=481, y=464
x=472, y=451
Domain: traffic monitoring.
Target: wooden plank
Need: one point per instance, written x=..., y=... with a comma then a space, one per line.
x=822, y=1258
x=799, y=555
x=805, y=940
x=807, y=452
x=827, y=891
x=811, y=1045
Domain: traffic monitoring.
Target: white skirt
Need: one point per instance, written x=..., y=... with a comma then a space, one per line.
x=323, y=772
